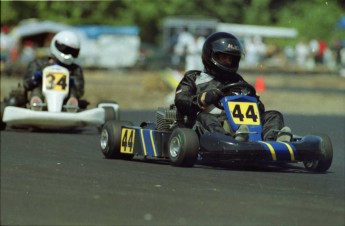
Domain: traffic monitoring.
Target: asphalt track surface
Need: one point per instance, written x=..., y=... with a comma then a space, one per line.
x=50, y=178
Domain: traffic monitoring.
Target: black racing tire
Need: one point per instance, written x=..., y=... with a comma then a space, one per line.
x=183, y=147
x=109, y=115
x=107, y=102
x=109, y=112
x=110, y=140
x=322, y=164
x=2, y=123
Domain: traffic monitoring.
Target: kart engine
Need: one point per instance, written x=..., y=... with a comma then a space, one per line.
x=17, y=97
x=167, y=117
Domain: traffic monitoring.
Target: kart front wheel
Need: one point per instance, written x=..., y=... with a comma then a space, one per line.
x=324, y=162
x=111, y=140
x=183, y=147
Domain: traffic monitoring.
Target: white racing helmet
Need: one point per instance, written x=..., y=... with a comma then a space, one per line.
x=65, y=46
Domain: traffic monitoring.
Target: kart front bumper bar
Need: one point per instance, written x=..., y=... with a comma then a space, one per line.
x=22, y=117
x=219, y=146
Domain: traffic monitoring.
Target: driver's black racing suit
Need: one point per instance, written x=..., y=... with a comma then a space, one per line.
x=196, y=82
x=33, y=77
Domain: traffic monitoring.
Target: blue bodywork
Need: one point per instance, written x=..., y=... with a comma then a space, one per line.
x=150, y=142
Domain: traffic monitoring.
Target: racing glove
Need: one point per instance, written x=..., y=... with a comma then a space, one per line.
x=209, y=97
x=37, y=77
x=72, y=81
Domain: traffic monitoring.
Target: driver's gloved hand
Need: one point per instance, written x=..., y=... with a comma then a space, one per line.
x=37, y=77
x=209, y=97
x=72, y=81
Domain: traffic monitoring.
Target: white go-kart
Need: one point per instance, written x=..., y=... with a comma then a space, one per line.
x=53, y=113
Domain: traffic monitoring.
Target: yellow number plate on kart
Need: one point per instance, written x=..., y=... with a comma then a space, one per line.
x=244, y=113
x=56, y=81
x=127, y=141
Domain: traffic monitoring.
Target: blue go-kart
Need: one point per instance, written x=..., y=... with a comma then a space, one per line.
x=168, y=138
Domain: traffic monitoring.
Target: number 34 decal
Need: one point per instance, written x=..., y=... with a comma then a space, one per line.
x=245, y=113
x=56, y=81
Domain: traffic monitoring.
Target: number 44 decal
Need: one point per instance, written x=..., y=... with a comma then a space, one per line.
x=244, y=113
x=127, y=141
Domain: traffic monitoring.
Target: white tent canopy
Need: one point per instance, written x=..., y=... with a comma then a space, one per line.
x=34, y=28
x=242, y=30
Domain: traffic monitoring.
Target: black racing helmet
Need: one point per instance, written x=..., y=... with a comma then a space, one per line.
x=222, y=43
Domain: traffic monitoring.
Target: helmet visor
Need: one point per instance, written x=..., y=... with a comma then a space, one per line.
x=225, y=60
x=66, y=49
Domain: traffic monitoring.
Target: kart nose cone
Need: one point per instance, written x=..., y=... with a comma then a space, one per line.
x=175, y=147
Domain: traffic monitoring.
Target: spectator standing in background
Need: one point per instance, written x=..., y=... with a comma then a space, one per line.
x=261, y=48
x=255, y=51
x=6, y=45
x=193, y=56
x=250, y=56
x=184, y=40
x=302, y=53
x=340, y=57
x=322, y=50
x=337, y=46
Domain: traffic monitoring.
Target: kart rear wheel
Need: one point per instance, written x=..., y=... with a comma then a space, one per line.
x=322, y=164
x=183, y=147
x=110, y=112
x=111, y=140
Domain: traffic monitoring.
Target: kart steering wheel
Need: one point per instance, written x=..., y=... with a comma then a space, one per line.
x=238, y=88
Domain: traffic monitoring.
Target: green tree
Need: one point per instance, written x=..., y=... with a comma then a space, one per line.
x=312, y=18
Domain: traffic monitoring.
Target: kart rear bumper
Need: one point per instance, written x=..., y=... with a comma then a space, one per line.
x=219, y=146
x=22, y=117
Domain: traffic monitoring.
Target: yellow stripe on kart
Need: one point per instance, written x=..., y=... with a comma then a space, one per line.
x=273, y=153
x=143, y=141
x=290, y=150
x=153, y=143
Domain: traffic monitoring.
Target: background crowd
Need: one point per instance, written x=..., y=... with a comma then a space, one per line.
x=185, y=53
x=307, y=54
